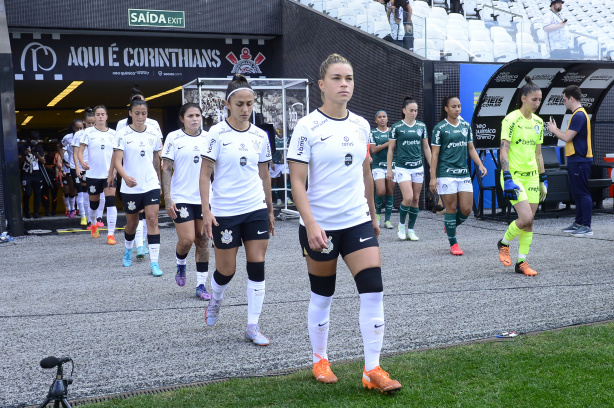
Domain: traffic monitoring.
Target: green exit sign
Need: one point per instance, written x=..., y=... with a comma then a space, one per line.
x=156, y=18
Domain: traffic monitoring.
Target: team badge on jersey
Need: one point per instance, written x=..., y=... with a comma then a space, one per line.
x=537, y=129
x=256, y=146
x=419, y=131
x=464, y=132
x=196, y=159
x=142, y=153
x=151, y=142
x=101, y=147
x=243, y=161
x=93, y=189
x=183, y=212
x=349, y=159
x=226, y=237
x=131, y=205
x=329, y=246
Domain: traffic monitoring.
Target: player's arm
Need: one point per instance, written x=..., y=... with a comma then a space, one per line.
x=476, y=158
x=156, y=163
x=543, y=180
x=427, y=150
x=265, y=176
x=167, y=175
x=206, y=169
x=368, y=179
x=434, y=160
x=504, y=152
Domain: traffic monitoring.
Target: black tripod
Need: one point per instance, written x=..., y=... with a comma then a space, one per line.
x=58, y=390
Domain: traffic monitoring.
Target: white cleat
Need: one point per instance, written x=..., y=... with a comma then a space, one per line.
x=411, y=235
x=401, y=232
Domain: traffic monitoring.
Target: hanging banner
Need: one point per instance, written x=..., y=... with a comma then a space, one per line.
x=501, y=95
x=79, y=57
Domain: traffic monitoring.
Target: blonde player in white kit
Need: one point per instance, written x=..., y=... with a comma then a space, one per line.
x=98, y=141
x=180, y=167
x=331, y=145
x=241, y=206
x=139, y=147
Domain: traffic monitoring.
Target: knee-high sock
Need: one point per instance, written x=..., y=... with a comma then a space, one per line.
x=403, y=214
x=86, y=206
x=413, y=216
x=219, y=283
x=154, y=247
x=449, y=221
x=255, y=299
x=100, y=210
x=318, y=316
x=371, y=319
x=379, y=200
x=524, y=240
x=66, y=203
x=71, y=203
x=93, y=211
x=512, y=232
x=111, y=219
x=389, y=203
x=460, y=217
x=144, y=229
x=80, y=204
x=138, y=238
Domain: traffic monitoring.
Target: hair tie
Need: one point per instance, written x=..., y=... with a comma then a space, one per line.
x=240, y=89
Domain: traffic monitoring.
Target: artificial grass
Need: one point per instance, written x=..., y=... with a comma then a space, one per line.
x=567, y=368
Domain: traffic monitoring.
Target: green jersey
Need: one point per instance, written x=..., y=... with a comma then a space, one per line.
x=279, y=150
x=453, y=142
x=408, y=150
x=380, y=158
x=524, y=136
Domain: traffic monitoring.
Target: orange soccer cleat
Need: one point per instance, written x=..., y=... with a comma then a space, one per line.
x=111, y=240
x=323, y=373
x=523, y=267
x=455, y=250
x=504, y=253
x=380, y=380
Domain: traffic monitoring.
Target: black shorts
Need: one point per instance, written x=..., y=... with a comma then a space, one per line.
x=95, y=186
x=133, y=203
x=344, y=241
x=77, y=180
x=188, y=212
x=234, y=230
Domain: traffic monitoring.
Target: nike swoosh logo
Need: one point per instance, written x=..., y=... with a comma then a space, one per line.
x=179, y=148
x=226, y=144
x=365, y=239
x=261, y=232
x=153, y=199
x=128, y=142
x=324, y=138
x=378, y=326
x=322, y=324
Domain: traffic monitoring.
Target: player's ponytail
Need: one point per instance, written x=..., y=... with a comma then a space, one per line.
x=527, y=88
x=406, y=101
x=136, y=93
x=88, y=113
x=238, y=82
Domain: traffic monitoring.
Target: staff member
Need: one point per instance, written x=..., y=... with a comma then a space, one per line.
x=579, y=152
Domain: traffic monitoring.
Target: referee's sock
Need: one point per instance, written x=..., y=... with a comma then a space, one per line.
x=413, y=216
x=379, y=200
x=389, y=203
x=524, y=244
x=449, y=221
x=460, y=217
x=512, y=232
x=371, y=319
x=403, y=211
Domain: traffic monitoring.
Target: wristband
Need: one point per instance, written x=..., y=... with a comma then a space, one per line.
x=542, y=177
x=507, y=175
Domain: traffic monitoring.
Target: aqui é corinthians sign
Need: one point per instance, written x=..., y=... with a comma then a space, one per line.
x=156, y=18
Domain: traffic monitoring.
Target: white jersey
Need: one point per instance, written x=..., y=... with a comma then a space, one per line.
x=237, y=187
x=76, y=142
x=185, y=152
x=334, y=150
x=67, y=146
x=148, y=122
x=139, y=148
x=65, y=168
x=99, y=146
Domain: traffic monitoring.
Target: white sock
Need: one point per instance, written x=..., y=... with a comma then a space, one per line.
x=154, y=252
x=139, y=234
x=66, y=203
x=255, y=299
x=144, y=230
x=181, y=261
x=100, y=210
x=80, y=207
x=111, y=219
x=86, y=206
x=201, y=278
x=129, y=244
x=371, y=319
x=217, y=291
x=92, y=217
x=71, y=203
x=318, y=316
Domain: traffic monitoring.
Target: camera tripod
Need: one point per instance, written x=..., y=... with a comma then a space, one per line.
x=58, y=390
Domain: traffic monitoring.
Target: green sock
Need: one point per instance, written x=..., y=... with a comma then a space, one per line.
x=403, y=214
x=460, y=217
x=449, y=221
x=379, y=200
x=512, y=232
x=413, y=215
x=389, y=203
x=524, y=244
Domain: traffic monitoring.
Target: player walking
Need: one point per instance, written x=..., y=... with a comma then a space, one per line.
x=384, y=188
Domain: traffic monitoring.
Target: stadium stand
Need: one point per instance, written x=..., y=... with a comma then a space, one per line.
x=487, y=30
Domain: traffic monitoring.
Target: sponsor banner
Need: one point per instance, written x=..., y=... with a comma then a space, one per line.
x=552, y=103
x=77, y=57
x=496, y=101
x=542, y=77
x=600, y=79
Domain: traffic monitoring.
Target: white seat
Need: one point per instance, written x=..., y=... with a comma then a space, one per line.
x=483, y=56
x=476, y=24
x=360, y=8
x=351, y=20
x=479, y=46
x=479, y=34
x=456, y=50
x=457, y=32
x=429, y=53
x=499, y=34
x=344, y=11
x=457, y=17
x=590, y=48
x=381, y=29
x=527, y=49
x=505, y=51
x=471, y=8
x=438, y=12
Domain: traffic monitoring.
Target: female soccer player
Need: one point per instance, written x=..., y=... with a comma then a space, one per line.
x=180, y=163
x=522, y=173
x=73, y=187
x=139, y=145
x=79, y=175
x=338, y=217
x=452, y=139
x=379, y=152
x=98, y=141
x=408, y=139
x=241, y=207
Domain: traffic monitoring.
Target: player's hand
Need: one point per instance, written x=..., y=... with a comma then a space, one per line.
x=208, y=221
x=86, y=166
x=543, y=187
x=273, y=166
x=111, y=182
x=171, y=208
x=376, y=228
x=510, y=189
x=272, y=223
x=316, y=237
x=483, y=170
x=389, y=175
x=78, y=172
x=130, y=181
x=433, y=185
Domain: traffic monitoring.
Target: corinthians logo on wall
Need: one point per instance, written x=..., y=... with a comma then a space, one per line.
x=245, y=64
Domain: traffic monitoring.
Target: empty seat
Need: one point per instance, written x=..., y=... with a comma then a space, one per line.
x=499, y=34
x=456, y=50
x=381, y=29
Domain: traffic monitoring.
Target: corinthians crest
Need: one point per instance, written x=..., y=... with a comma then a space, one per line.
x=131, y=205
x=329, y=246
x=226, y=237
x=183, y=212
x=244, y=64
